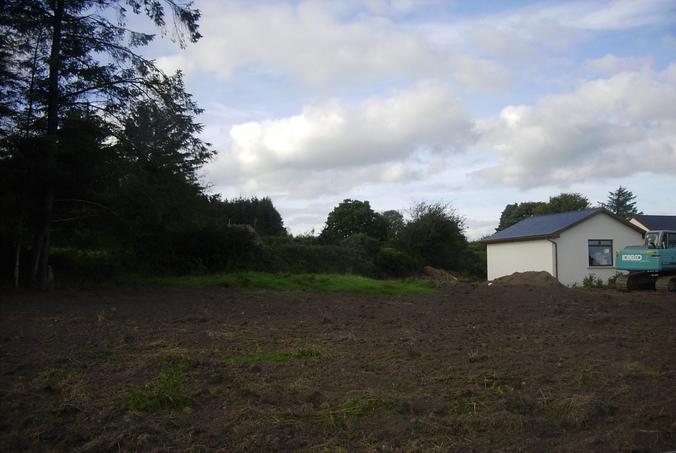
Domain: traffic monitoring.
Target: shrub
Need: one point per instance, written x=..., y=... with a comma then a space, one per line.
x=393, y=263
x=90, y=265
x=362, y=244
x=592, y=281
x=613, y=279
x=475, y=264
x=214, y=248
x=435, y=236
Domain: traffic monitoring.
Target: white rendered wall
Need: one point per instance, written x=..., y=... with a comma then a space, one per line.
x=573, y=252
x=520, y=256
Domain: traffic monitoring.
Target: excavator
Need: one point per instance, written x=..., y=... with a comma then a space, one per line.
x=651, y=265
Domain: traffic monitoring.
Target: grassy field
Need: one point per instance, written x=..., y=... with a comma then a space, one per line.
x=323, y=283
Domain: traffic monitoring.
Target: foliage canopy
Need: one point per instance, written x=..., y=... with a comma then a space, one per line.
x=564, y=202
x=353, y=217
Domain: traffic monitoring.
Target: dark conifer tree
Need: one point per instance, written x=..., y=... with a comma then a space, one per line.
x=621, y=202
x=58, y=55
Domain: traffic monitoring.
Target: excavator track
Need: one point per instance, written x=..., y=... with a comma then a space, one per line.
x=635, y=282
x=621, y=283
x=666, y=283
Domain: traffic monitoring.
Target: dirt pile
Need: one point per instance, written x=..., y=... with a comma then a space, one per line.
x=440, y=275
x=541, y=278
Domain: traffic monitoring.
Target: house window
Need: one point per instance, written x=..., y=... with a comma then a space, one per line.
x=600, y=252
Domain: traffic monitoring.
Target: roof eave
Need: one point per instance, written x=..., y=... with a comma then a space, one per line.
x=520, y=239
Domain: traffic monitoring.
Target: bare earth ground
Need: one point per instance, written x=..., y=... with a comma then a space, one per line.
x=473, y=368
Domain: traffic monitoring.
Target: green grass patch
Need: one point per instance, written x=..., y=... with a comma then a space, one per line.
x=296, y=355
x=638, y=369
x=354, y=409
x=462, y=407
x=55, y=375
x=326, y=283
x=497, y=389
x=74, y=400
x=361, y=407
x=68, y=383
x=101, y=355
x=166, y=391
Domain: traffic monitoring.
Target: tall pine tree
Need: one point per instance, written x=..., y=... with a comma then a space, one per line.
x=621, y=202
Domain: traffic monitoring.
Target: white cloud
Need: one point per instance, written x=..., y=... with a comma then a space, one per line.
x=611, y=127
x=335, y=146
x=611, y=64
x=396, y=7
x=612, y=15
x=533, y=34
x=313, y=43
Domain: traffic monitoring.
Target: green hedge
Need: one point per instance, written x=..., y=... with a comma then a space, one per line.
x=320, y=259
x=226, y=249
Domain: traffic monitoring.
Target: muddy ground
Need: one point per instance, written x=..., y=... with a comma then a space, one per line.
x=472, y=368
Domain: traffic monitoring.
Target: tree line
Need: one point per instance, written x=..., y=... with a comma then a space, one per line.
x=99, y=154
x=621, y=202
x=99, y=158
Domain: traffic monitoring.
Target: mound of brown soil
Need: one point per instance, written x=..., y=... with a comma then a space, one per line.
x=540, y=278
x=440, y=275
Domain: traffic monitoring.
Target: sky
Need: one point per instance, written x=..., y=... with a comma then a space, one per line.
x=478, y=104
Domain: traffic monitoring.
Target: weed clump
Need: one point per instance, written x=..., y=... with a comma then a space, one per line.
x=462, y=408
x=591, y=281
x=354, y=409
x=582, y=411
x=69, y=384
x=296, y=355
x=166, y=391
x=57, y=375
x=361, y=407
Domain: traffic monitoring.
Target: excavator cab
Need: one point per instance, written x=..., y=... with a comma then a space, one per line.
x=652, y=238
x=650, y=266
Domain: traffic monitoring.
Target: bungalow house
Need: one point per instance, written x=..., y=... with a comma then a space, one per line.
x=568, y=245
x=655, y=222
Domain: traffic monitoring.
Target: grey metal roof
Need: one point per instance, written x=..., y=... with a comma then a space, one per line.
x=543, y=225
x=657, y=222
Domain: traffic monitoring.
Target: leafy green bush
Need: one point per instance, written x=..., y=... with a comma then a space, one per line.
x=362, y=244
x=475, y=261
x=214, y=248
x=435, y=236
x=613, y=279
x=90, y=265
x=391, y=262
x=592, y=281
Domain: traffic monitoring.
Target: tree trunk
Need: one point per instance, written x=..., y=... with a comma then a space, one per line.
x=40, y=269
x=17, y=257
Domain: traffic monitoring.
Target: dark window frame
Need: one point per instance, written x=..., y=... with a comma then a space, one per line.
x=598, y=243
x=668, y=239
